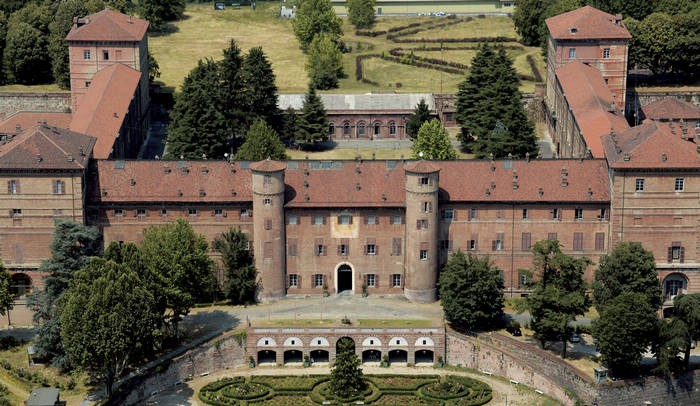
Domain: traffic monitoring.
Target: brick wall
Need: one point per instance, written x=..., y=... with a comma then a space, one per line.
x=12, y=102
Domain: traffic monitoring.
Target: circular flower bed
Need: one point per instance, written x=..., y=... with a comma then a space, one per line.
x=245, y=391
x=470, y=392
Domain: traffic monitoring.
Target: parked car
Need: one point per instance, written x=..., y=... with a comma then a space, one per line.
x=574, y=338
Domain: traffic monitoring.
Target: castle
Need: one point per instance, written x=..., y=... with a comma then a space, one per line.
x=381, y=227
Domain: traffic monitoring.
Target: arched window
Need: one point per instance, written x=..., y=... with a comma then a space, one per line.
x=377, y=129
x=346, y=129
x=674, y=284
x=392, y=128
x=361, y=128
x=331, y=129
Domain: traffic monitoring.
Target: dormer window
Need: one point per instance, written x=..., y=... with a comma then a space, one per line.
x=573, y=30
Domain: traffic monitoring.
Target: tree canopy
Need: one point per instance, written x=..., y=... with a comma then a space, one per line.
x=347, y=379
x=159, y=12
x=241, y=285
x=420, y=115
x=628, y=268
x=433, y=142
x=490, y=95
x=677, y=333
x=314, y=17
x=559, y=293
x=471, y=291
x=7, y=298
x=313, y=123
x=259, y=88
x=529, y=17
x=261, y=142
x=361, y=12
x=324, y=63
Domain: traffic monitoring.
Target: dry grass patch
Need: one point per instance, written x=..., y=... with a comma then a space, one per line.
x=50, y=88
x=478, y=27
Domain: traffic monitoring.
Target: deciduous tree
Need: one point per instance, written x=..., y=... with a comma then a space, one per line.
x=347, y=379
x=106, y=314
x=361, y=12
x=324, y=63
x=7, y=298
x=624, y=330
x=433, y=142
x=315, y=17
x=471, y=291
x=559, y=293
x=159, y=12
x=25, y=58
x=420, y=115
x=241, y=283
x=628, y=268
x=261, y=142
x=313, y=123
x=676, y=334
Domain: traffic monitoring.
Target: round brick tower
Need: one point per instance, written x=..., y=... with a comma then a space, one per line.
x=421, y=231
x=268, y=227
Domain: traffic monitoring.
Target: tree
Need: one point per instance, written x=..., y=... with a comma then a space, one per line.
x=258, y=81
x=198, y=127
x=7, y=298
x=71, y=248
x=315, y=17
x=159, y=12
x=234, y=105
x=324, y=63
x=25, y=57
x=624, y=330
x=313, y=124
x=651, y=40
x=347, y=379
x=261, y=142
x=361, y=12
x=490, y=95
x=3, y=35
x=179, y=267
x=629, y=8
x=433, y=142
x=471, y=291
x=628, y=268
x=528, y=18
x=153, y=68
x=420, y=115
x=290, y=124
x=677, y=334
x=106, y=314
x=559, y=294
x=241, y=284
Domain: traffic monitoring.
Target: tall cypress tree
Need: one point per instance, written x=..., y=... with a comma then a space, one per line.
x=490, y=94
x=313, y=122
x=258, y=82
x=234, y=98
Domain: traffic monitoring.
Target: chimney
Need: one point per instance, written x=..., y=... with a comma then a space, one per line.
x=618, y=19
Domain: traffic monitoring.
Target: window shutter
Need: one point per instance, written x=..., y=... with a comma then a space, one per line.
x=250, y=212
x=299, y=285
x=324, y=219
x=63, y=187
x=454, y=214
x=670, y=254
x=324, y=280
x=350, y=219
x=340, y=249
x=493, y=245
x=338, y=219
x=417, y=224
x=559, y=214
x=682, y=255
x=449, y=245
x=9, y=187
x=376, y=280
x=599, y=241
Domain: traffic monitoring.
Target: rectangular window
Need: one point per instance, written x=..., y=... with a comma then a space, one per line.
x=396, y=220
x=292, y=219
x=267, y=249
x=59, y=187
x=679, y=185
x=526, y=241
x=293, y=280
x=343, y=249
x=421, y=224
x=473, y=214
x=118, y=54
x=638, y=185
x=292, y=247
x=396, y=246
x=578, y=241
x=163, y=212
x=472, y=245
x=600, y=241
x=13, y=187
x=498, y=243
x=141, y=212
x=525, y=214
x=676, y=252
x=87, y=84
x=424, y=180
x=267, y=201
x=320, y=249
x=523, y=280
x=105, y=55
x=446, y=245
x=218, y=212
x=606, y=53
x=318, y=280
x=16, y=212
x=578, y=214
x=345, y=219
x=371, y=219
x=552, y=236
x=371, y=249
x=371, y=280
x=572, y=53
x=318, y=219
x=268, y=224
x=192, y=212
x=396, y=280
x=556, y=214
x=118, y=212
x=423, y=255
x=448, y=214
x=426, y=207
x=603, y=214
x=86, y=54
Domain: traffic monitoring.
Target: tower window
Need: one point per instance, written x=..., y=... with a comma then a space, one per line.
x=423, y=255
x=679, y=184
x=639, y=185
x=105, y=55
x=606, y=53
x=267, y=201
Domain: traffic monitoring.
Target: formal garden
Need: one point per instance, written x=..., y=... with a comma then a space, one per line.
x=316, y=390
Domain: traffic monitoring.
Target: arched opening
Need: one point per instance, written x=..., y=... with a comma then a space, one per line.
x=424, y=357
x=350, y=342
x=267, y=357
x=674, y=285
x=377, y=129
x=371, y=356
x=331, y=129
x=392, y=128
x=20, y=285
x=292, y=356
x=361, y=130
x=346, y=129
x=344, y=278
x=319, y=356
x=398, y=356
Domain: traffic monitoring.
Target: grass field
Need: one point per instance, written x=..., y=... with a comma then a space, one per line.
x=204, y=33
x=34, y=88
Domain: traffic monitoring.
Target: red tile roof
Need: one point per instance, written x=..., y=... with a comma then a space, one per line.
x=103, y=108
x=651, y=145
x=591, y=101
x=44, y=147
x=670, y=108
x=422, y=167
x=108, y=25
x=24, y=120
x=268, y=165
x=170, y=181
x=586, y=23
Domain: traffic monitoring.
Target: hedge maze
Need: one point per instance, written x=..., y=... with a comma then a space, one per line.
x=313, y=390
x=404, y=54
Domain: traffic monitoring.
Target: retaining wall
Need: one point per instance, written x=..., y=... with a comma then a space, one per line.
x=12, y=102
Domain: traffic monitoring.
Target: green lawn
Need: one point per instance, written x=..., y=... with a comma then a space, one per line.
x=34, y=88
x=478, y=27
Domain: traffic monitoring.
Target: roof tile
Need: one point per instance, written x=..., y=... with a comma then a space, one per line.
x=44, y=147
x=586, y=23
x=108, y=25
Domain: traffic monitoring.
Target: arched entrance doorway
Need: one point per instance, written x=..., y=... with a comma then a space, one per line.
x=371, y=356
x=344, y=278
x=267, y=357
x=20, y=285
x=292, y=356
x=398, y=356
x=319, y=356
x=424, y=356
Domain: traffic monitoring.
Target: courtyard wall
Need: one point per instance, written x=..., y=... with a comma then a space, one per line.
x=12, y=102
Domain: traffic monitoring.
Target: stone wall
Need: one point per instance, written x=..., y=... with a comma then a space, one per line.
x=678, y=391
x=214, y=355
x=12, y=102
